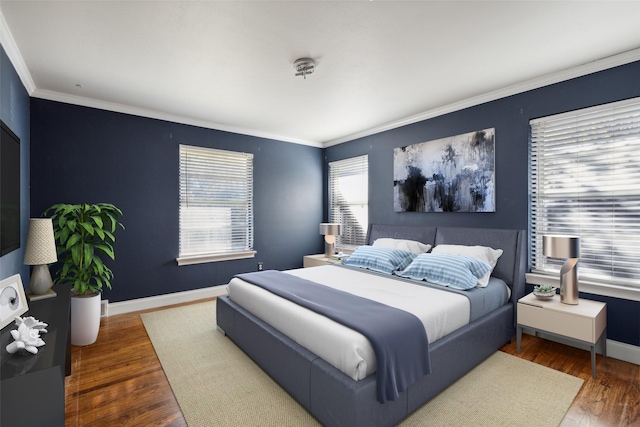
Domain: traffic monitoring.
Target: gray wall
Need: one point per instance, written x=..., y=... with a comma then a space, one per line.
x=81, y=154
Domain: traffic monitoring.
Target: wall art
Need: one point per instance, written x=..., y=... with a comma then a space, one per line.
x=13, y=301
x=453, y=174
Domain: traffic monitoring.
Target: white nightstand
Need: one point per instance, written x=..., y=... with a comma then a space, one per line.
x=315, y=260
x=584, y=323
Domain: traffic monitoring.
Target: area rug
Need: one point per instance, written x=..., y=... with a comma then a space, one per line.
x=216, y=384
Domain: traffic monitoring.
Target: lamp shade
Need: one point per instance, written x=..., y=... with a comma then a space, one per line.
x=561, y=246
x=330, y=229
x=41, y=244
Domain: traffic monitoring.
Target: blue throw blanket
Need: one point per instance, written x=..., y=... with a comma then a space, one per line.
x=398, y=338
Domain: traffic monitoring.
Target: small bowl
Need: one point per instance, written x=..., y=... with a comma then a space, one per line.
x=544, y=294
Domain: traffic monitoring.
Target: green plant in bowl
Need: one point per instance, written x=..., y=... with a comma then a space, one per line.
x=544, y=289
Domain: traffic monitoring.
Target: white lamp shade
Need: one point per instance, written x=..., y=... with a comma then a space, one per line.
x=561, y=246
x=41, y=244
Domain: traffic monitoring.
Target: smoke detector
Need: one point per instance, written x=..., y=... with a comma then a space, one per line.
x=304, y=66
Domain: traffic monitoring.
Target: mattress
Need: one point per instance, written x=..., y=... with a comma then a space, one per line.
x=441, y=312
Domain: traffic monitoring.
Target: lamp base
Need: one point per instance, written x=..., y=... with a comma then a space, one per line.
x=40, y=282
x=569, y=282
x=329, y=249
x=35, y=297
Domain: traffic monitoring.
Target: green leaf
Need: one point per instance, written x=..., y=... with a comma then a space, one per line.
x=98, y=221
x=100, y=233
x=109, y=235
x=99, y=266
x=107, y=249
x=76, y=255
x=73, y=239
x=88, y=227
x=62, y=235
x=88, y=254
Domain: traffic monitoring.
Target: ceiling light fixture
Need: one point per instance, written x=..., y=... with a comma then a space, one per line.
x=304, y=66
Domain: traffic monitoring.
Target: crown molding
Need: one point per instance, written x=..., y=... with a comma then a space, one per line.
x=549, y=79
x=11, y=49
x=154, y=114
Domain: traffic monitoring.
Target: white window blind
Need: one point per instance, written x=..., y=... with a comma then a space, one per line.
x=585, y=181
x=216, y=202
x=349, y=200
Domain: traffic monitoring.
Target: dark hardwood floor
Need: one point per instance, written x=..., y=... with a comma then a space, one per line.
x=118, y=381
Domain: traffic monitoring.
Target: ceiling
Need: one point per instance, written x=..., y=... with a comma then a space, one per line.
x=229, y=64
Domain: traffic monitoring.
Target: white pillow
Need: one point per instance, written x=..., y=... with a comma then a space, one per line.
x=405, y=245
x=482, y=253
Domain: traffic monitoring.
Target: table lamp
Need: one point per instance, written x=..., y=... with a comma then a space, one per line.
x=567, y=247
x=330, y=231
x=39, y=252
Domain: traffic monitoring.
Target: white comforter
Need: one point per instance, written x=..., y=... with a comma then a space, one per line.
x=441, y=313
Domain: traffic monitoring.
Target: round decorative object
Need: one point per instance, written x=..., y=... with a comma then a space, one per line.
x=9, y=297
x=544, y=292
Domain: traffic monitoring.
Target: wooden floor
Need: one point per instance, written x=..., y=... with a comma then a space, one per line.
x=118, y=381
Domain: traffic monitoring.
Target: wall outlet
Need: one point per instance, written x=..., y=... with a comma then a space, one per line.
x=260, y=266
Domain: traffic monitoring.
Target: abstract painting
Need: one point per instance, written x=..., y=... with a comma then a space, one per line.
x=453, y=174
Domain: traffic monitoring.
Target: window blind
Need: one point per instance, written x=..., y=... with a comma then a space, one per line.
x=585, y=181
x=216, y=201
x=349, y=200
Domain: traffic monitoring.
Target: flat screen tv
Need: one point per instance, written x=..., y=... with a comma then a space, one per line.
x=9, y=190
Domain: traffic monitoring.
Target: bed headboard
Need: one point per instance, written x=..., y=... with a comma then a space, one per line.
x=420, y=234
x=511, y=266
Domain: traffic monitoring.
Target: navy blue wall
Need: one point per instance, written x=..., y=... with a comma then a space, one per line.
x=14, y=112
x=510, y=117
x=81, y=154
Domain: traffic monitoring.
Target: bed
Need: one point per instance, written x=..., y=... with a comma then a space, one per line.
x=336, y=398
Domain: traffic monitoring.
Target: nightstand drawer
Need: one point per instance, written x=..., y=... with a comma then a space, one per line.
x=315, y=260
x=561, y=323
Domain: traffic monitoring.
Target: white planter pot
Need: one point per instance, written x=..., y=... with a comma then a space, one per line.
x=85, y=319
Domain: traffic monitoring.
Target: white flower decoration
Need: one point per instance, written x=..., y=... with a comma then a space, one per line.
x=27, y=336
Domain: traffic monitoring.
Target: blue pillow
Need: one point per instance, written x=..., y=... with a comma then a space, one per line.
x=384, y=260
x=455, y=271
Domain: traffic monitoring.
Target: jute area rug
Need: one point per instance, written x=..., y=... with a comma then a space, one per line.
x=216, y=384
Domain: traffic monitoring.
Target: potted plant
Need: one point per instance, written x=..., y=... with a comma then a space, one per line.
x=544, y=291
x=84, y=235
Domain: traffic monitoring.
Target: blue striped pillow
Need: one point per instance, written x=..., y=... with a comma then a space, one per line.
x=455, y=271
x=384, y=260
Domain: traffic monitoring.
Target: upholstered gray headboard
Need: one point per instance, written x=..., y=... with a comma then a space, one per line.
x=419, y=234
x=511, y=266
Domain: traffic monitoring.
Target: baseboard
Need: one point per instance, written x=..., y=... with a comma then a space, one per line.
x=165, y=300
x=627, y=352
x=617, y=350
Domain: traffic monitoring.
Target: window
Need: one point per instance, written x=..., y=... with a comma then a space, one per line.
x=585, y=181
x=216, y=205
x=349, y=200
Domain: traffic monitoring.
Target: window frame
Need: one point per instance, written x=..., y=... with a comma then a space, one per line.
x=227, y=168
x=353, y=234
x=586, y=134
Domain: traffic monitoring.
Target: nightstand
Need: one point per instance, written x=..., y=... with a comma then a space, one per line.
x=315, y=260
x=584, y=323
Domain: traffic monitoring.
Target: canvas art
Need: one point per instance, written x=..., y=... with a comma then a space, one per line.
x=453, y=174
